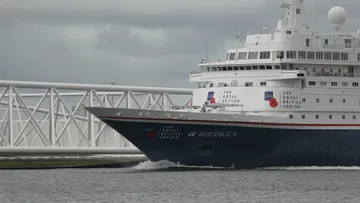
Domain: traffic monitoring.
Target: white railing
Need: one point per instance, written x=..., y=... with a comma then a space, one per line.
x=54, y=117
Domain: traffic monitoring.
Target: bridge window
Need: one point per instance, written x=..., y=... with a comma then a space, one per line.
x=319, y=55
x=355, y=84
x=236, y=68
x=230, y=68
x=322, y=83
x=242, y=68
x=291, y=54
x=327, y=55
x=344, y=56
x=242, y=56
x=223, y=68
x=345, y=84
x=253, y=55
x=248, y=84
x=232, y=56
x=334, y=83
x=255, y=67
x=310, y=55
x=312, y=83
x=268, y=67
x=302, y=54
x=308, y=42
x=277, y=67
x=336, y=55
x=248, y=67
x=262, y=83
x=278, y=54
x=347, y=43
x=265, y=55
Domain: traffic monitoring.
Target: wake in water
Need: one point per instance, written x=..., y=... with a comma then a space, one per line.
x=165, y=165
x=170, y=166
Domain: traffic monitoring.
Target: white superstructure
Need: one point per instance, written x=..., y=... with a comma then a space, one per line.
x=293, y=73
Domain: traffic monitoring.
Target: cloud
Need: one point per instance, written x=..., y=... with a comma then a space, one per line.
x=135, y=42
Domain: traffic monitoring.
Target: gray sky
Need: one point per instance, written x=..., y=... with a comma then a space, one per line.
x=135, y=42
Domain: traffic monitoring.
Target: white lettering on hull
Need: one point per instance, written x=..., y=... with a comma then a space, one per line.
x=213, y=134
x=168, y=133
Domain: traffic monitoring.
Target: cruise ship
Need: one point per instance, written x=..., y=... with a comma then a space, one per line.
x=290, y=97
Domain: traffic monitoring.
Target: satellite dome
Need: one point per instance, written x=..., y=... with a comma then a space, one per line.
x=337, y=16
x=264, y=30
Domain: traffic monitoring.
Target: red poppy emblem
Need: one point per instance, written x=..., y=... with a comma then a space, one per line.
x=273, y=103
x=150, y=133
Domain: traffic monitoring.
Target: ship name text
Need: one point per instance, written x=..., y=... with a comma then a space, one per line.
x=223, y=134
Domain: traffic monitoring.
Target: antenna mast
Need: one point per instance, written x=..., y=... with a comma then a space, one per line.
x=206, y=52
x=237, y=46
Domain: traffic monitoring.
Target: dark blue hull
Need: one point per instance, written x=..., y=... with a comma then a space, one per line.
x=239, y=146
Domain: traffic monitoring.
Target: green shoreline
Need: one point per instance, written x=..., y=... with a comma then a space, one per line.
x=52, y=163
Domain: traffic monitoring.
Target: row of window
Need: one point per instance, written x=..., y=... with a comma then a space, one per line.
x=318, y=117
x=318, y=100
x=347, y=42
x=246, y=84
x=331, y=70
x=235, y=68
x=324, y=83
x=291, y=55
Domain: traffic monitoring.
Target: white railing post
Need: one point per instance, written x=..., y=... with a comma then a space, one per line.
x=52, y=136
x=163, y=100
x=128, y=104
x=11, y=118
x=91, y=120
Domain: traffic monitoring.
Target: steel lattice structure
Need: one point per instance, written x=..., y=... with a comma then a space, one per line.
x=54, y=117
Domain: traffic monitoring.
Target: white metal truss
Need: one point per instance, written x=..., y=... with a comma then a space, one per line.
x=54, y=115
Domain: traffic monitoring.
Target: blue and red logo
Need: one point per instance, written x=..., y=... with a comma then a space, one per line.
x=211, y=98
x=150, y=133
x=269, y=96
